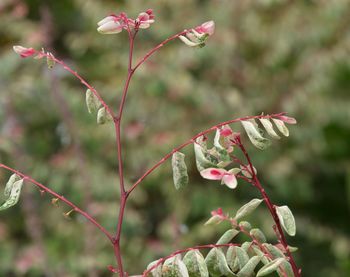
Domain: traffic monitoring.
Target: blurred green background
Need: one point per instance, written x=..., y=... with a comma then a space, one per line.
x=266, y=56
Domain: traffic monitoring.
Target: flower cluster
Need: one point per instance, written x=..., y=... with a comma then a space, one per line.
x=196, y=37
x=114, y=24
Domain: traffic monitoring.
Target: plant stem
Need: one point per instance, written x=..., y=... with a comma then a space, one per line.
x=117, y=123
x=63, y=199
x=256, y=183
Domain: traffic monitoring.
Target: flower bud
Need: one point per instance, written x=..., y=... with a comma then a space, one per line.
x=23, y=51
x=196, y=37
x=206, y=28
x=109, y=25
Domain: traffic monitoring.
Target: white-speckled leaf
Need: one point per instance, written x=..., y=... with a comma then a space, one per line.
x=14, y=195
x=157, y=271
x=228, y=236
x=195, y=264
x=13, y=178
x=174, y=267
x=248, y=208
x=216, y=263
x=242, y=257
x=201, y=161
x=287, y=219
x=249, y=267
x=270, y=267
x=258, y=235
x=180, y=175
x=281, y=127
x=103, y=116
x=254, y=135
x=269, y=128
x=92, y=102
x=285, y=270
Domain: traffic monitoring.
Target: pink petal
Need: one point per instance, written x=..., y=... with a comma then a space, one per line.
x=287, y=119
x=213, y=173
x=226, y=132
x=230, y=180
x=206, y=28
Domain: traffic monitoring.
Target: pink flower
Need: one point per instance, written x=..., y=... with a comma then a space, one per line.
x=226, y=177
x=206, y=28
x=218, y=212
x=196, y=37
x=23, y=51
x=110, y=25
x=145, y=19
x=114, y=24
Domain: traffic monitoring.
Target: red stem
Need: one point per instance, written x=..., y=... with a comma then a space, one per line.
x=63, y=199
x=117, y=122
x=167, y=156
x=256, y=183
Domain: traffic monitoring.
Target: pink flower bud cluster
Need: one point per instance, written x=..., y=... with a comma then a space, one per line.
x=196, y=37
x=114, y=24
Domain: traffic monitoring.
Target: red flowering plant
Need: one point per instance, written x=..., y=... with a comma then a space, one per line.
x=222, y=161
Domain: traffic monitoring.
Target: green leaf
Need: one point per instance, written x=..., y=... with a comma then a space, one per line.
x=247, y=208
x=180, y=175
x=156, y=272
x=285, y=270
x=273, y=250
x=242, y=257
x=270, y=267
x=13, y=195
x=228, y=236
x=92, y=102
x=195, y=264
x=103, y=116
x=287, y=219
x=245, y=225
x=231, y=257
x=269, y=128
x=216, y=263
x=13, y=178
x=247, y=247
x=281, y=127
x=174, y=267
x=258, y=235
x=261, y=254
x=199, y=149
x=249, y=267
x=254, y=135
x=215, y=219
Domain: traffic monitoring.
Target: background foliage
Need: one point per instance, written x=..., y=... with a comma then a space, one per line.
x=266, y=56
